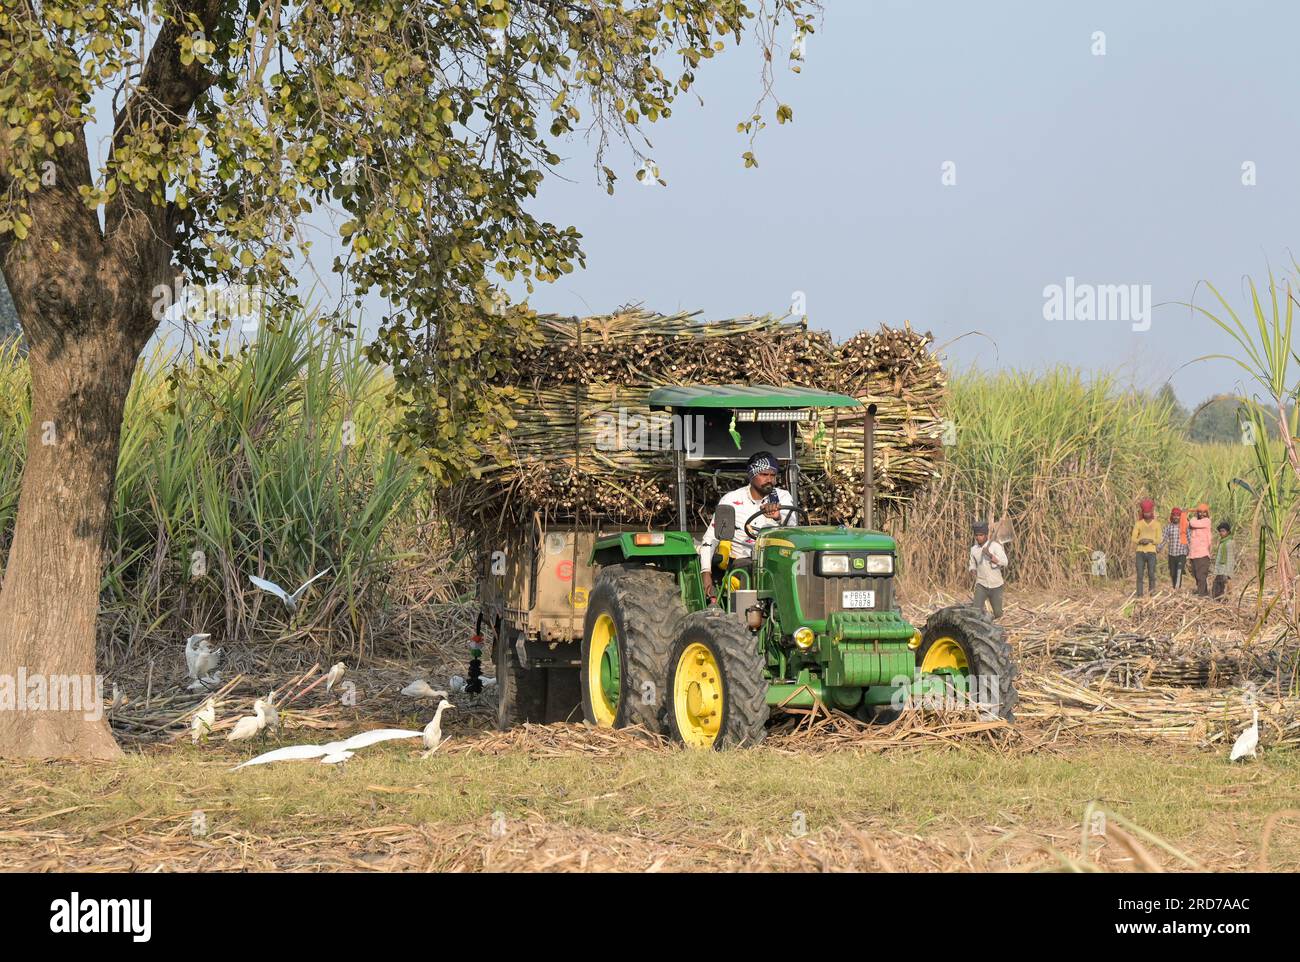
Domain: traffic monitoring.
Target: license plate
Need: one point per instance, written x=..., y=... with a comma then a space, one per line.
x=859, y=599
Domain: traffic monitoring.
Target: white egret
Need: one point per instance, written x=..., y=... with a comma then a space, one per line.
x=458, y=682
x=206, y=660
x=249, y=725
x=335, y=675
x=210, y=682
x=203, y=720
x=432, y=733
x=422, y=689
x=290, y=600
x=268, y=709
x=192, y=653
x=1247, y=741
x=332, y=752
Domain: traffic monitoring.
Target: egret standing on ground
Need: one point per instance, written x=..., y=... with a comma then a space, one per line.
x=290, y=600
x=422, y=689
x=433, y=731
x=268, y=709
x=335, y=675
x=249, y=725
x=203, y=720
x=1247, y=741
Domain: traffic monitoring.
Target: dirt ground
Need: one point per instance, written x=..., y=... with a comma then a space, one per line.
x=1117, y=761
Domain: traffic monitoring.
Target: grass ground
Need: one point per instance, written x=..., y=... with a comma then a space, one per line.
x=604, y=801
x=566, y=797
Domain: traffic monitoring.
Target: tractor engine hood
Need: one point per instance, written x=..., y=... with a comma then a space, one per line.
x=827, y=538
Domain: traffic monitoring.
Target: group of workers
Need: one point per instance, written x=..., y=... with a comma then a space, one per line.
x=1188, y=542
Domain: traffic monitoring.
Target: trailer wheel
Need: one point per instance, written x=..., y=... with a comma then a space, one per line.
x=632, y=615
x=717, y=685
x=521, y=692
x=961, y=639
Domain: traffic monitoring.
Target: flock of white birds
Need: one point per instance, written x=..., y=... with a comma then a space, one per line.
x=202, y=661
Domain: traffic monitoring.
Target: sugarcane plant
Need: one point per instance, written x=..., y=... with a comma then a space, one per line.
x=1269, y=420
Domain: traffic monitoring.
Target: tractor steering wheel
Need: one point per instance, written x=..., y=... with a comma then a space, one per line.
x=786, y=509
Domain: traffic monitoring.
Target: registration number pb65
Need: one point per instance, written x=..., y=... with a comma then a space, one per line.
x=859, y=599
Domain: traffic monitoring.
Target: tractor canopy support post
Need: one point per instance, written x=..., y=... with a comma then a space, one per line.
x=681, y=490
x=869, y=469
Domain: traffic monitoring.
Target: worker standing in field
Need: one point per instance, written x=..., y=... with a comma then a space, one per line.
x=987, y=559
x=1199, y=535
x=1146, y=535
x=760, y=494
x=1174, y=544
x=1225, y=560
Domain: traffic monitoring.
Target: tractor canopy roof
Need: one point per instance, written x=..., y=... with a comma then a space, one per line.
x=745, y=396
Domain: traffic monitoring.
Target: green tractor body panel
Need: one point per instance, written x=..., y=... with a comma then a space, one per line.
x=675, y=552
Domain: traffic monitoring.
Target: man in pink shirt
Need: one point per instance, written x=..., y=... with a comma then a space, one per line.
x=1199, y=536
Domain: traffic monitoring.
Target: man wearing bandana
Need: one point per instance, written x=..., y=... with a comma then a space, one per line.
x=760, y=494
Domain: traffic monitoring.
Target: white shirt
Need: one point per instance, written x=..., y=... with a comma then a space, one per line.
x=988, y=569
x=742, y=546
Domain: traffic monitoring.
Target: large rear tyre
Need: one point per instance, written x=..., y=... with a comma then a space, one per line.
x=521, y=692
x=632, y=616
x=961, y=639
x=717, y=689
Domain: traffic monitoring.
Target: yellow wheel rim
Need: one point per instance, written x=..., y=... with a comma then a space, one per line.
x=698, y=696
x=602, y=650
x=944, y=653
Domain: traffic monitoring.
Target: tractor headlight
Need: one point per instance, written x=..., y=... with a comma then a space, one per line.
x=880, y=564
x=804, y=638
x=833, y=564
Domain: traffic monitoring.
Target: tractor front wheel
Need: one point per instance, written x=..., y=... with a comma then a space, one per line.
x=632, y=614
x=717, y=691
x=960, y=640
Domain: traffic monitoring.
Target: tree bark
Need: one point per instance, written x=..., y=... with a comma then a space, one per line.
x=83, y=293
x=50, y=596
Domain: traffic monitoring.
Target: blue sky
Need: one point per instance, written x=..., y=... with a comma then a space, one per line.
x=1124, y=168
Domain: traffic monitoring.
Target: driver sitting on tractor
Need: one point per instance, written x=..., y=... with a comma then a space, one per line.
x=760, y=497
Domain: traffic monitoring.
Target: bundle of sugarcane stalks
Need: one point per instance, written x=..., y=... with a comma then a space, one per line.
x=581, y=395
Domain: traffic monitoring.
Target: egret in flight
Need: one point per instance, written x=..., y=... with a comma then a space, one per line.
x=290, y=600
x=332, y=752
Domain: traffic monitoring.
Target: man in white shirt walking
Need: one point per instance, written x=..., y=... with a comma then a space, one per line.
x=760, y=494
x=987, y=559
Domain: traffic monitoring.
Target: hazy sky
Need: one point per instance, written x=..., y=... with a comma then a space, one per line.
x=1119, y=169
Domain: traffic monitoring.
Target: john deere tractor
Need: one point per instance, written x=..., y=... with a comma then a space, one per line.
x=813, y=618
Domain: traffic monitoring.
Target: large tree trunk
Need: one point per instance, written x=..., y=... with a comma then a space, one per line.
x=50, y=597
x=83, y=291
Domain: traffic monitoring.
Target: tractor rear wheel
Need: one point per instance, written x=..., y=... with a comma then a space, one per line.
x=717, y=691
x=632, y=615
x=961, y=639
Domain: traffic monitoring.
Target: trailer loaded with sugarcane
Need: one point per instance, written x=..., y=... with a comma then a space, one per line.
x=595, y=603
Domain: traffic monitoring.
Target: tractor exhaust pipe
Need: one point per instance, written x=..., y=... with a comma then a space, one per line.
x=869, y=469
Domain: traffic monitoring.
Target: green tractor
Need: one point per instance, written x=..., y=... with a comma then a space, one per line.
x=812, y=618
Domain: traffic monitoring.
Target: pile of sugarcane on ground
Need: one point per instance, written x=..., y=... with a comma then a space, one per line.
x=582, y=394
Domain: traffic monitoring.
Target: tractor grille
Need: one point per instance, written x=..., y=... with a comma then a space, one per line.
x=819, y=596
